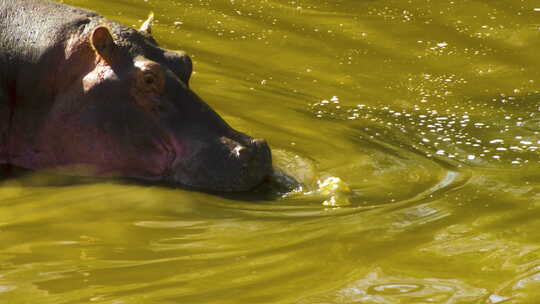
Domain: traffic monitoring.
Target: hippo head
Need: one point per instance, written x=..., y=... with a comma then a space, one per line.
x=122, y=106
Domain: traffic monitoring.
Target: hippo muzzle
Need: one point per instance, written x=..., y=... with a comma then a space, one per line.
x=229, y=164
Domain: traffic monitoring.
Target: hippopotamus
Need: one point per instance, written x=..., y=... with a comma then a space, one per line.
x=84, y=95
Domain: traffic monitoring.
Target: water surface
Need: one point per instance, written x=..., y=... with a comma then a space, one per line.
x=412, y=127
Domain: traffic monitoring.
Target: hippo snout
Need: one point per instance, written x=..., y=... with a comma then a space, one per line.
x=228, y=164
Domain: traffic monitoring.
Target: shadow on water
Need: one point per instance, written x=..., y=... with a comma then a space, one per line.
x=272, y=188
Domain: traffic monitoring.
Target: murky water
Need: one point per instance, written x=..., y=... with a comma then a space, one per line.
x=412, y=126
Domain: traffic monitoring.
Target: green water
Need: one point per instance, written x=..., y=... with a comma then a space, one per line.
x=425, y=115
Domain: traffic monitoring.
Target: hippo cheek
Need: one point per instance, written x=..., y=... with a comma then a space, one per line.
x=149, y=160
x=144, y=154
x=104, y=143
x=224, y=165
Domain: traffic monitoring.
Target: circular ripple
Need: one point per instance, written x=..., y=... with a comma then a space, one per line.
x=394, y=289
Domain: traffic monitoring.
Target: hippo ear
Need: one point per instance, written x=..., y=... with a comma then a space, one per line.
x=103, y=42
x=181, y=64
x=146, y=27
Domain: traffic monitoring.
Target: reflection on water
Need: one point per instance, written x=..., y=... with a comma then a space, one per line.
x=379, y=287
x=406, y=147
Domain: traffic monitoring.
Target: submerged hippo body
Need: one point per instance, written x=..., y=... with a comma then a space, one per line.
x=85, y=95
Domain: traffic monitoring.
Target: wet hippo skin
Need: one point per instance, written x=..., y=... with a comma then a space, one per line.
x=84, y=95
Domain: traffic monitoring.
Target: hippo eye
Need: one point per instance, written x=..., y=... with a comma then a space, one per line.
x=149, y=79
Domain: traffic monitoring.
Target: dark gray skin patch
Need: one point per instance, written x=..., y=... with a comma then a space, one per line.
x=4, y=119
x=77, y=94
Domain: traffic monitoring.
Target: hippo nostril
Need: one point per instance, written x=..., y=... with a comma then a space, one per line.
x=259, y=142
x=240, y=152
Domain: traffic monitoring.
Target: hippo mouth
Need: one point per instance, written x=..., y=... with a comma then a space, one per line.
x=223, y=165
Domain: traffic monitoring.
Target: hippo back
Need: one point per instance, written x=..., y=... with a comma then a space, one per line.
x=4, y=108
x=29, y=33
